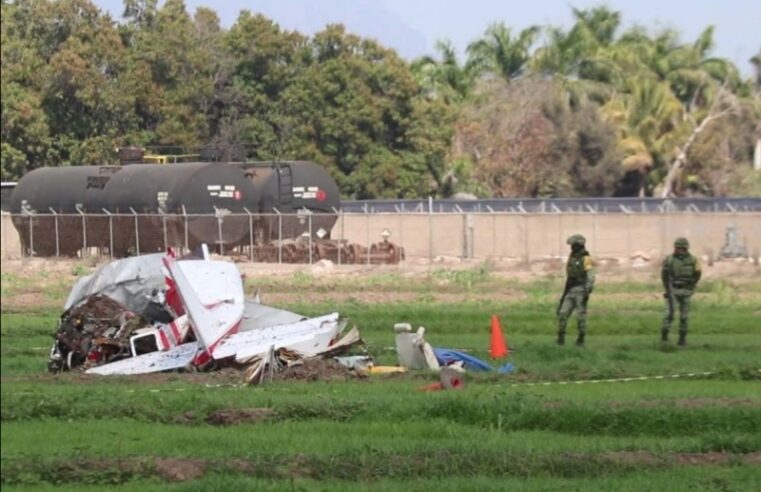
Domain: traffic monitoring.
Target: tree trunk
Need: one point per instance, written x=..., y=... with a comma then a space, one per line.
x=681, y=157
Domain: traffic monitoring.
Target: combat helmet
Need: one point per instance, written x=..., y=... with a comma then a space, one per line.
x=576, y=239
x=682, y=242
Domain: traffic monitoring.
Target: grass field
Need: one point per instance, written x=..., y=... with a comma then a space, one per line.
x=701, y=432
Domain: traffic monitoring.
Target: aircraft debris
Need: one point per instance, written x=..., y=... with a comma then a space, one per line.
x=415, y=353
x=157, y=313
x=449, y=379
x=412, y=349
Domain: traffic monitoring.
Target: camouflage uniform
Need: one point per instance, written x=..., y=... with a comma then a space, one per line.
x=680, y=275
x=580, y=280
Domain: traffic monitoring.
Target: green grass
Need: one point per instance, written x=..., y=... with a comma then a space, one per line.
x=710, y=478
x=500, y=432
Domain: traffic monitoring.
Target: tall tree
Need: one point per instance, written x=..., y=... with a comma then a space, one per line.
x=500, y=53
x=444, y=77
x=62, y=67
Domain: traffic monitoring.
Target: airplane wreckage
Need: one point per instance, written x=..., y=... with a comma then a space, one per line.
x=156, y=313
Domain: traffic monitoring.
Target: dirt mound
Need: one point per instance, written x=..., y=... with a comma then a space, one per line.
x=316, y=370
x=235, y=416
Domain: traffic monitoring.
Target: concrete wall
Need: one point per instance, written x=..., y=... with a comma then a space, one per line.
x=527, y=237
x=9, y=240
x=543, y=235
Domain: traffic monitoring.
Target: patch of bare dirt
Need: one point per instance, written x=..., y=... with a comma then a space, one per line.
x=29, y=301
x=704, y=402
x=180, y=469
x=316, y=370
x=185, y=418
x=752, y=458
x=388, y=297
x=26, y=299
x=691, y=402
x=691, y=459
x=223, y=377
x=634, y=457
x=235, y=416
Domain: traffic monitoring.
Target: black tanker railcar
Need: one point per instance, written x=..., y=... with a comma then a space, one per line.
x=141, y=208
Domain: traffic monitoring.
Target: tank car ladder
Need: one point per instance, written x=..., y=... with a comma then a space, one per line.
x=285, y=184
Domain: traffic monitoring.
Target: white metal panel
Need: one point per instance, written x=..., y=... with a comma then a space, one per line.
x=177, y=357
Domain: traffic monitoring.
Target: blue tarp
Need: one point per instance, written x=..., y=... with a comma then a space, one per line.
x=470, y=363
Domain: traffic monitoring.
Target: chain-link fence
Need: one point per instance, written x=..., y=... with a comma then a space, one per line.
x=345, y=237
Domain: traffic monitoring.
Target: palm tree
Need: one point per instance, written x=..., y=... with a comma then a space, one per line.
x=500, y=53
x=600, y=22
x=444, y=77
x=583, y=57
x=651, y=124
x=579, y=53
x=691, y=74
x=756, y=61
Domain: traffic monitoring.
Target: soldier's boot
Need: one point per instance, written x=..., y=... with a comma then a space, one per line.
x=664, y=336
x=682, y=339
x=561, y=338
x=580, y=340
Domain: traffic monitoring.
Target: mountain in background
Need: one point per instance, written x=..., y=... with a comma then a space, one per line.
x=367, y=18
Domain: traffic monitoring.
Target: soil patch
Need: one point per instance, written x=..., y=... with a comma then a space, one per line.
x=186, y=469
x=703, y=402
x=180, y=469
x=316, y=370
x=223, y=377
x=375, y=296
x=29, y=302
x=649, y=458
x=235, y=416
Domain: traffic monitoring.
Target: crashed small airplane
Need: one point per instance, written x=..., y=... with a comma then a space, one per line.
x=155, y=313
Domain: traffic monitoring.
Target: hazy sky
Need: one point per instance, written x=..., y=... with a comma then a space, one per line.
x=412, y=27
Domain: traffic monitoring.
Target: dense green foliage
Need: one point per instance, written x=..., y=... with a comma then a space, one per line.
x=543, y=112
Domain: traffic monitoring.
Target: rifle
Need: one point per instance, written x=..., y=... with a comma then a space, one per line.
x=670, y=296
x=562, y=298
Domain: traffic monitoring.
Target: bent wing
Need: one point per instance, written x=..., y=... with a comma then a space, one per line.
x=175, y=358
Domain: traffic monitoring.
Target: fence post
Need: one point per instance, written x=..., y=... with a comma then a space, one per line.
x=163, y=225
x=310, y=238
x=218, y=214
x=31, y=235
x=250, y=235
x=493, y=231
x=279, y=236
x=110, y=233
x=84, y=231
x=664, y=236
x=560, y=234
x=137, y=232
x=526, y=254
x=185, y=223
x=629, y=240
x=367, y=234
x=57, y=240
x=464, y=235
x=430, y=229
x=401, y=229
x=340, y=239
x=594, y=234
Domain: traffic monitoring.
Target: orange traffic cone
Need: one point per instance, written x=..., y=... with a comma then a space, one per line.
x=498, y=347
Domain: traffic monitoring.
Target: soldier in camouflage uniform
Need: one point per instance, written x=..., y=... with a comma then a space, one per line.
x=680, y=275
x=580, y=280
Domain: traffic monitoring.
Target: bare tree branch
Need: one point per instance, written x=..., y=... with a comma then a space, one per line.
x=714, y=113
